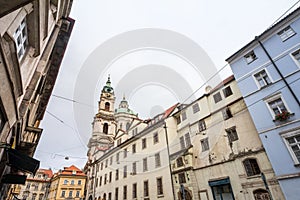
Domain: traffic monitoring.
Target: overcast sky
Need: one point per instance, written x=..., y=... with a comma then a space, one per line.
x=108, y=39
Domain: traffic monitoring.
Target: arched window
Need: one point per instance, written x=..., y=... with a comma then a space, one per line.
x=107, y=105
x=127, y=126
x=105, y=128
x=261, y=194
x=251, y=167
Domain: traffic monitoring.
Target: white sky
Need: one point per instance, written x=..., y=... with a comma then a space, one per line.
x=219, y=27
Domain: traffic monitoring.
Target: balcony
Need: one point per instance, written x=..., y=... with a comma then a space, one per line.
x=29, y=140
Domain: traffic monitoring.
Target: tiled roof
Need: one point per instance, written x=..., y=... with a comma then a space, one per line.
x=70, y=170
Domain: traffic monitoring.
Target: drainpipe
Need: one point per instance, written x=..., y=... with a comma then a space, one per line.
x=277, y=69
x=167, y=141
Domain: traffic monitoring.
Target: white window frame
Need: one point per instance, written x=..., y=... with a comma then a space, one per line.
x=286, y=33
x=291, y=152
x=275, y=97
x=24, y=38
x=294, y=57
x=256, y=81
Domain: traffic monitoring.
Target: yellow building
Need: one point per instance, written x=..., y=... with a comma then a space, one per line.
x=68, y=183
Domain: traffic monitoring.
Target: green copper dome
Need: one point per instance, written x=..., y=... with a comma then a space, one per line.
x=107, y=88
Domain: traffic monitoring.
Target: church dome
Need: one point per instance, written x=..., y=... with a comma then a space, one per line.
x=107, y=88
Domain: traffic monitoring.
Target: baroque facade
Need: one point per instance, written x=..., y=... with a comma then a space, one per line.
x=267, y=71
x=33, y=39
x=131, y=163
x=68, y=183
x=208, y=149
x=216, y=152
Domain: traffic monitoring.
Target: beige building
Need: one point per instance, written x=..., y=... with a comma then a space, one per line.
x=218, y=154
x=36, y=186
x=132, y=163
x=68, y=183
x=33, y=39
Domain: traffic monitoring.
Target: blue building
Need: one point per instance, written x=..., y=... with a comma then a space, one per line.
x=267, y=70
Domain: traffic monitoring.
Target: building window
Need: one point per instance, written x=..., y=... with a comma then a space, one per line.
x=250, y=57
x=107, y=105
x=204, y=144
x=100, y=181
x=105, y=128
x=111, y=160
x=117, y=174
x=183, y=115
x=134, y=168
x=77, y=194
x=134, y=190
x=72, y=182
x=125, y=153
x=227, y=91
x=188, y=139
x=41, y=196
x=116, y=193
x=65, y=182
x=182, y=144
x=21, y=39
x=261, y=194
x=109, y=196
x=127, y=126
x=146, y=188
x=118, y=157
x=262, y=78
x=178, y=119
x=277, y=106
x=201, y=125
x=286, y=33
x=217, y=97
x=179, y=162
x=157, y=160
x=125, y=171
x=155, y=138
x=145, y=164
x=251, y=167
x=134, y=148
x=292, y=140
x=181, y=178
x=226, y=113
x=70, y=193
x=125, y=192
x=232, y=134
x=106, y=163
x=33, y=196
x=63, y=193
x=159, y=184
x=101, y=166
x=296, y=56
x=144, y=143
x=105, y=179
x=110, y=177
x=196, y=108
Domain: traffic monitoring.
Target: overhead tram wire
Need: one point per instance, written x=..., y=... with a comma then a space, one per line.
x=72, y=100
x=279, y=18
x=61, y=121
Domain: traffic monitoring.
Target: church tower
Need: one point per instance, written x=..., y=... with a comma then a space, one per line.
x=104, y=124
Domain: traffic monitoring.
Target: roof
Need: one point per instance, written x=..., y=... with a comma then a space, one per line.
x=224, y=82
x=70, y=171
x=48, y=172
x=267, y=32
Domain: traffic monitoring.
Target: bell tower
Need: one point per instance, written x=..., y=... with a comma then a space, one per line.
x=104, y=124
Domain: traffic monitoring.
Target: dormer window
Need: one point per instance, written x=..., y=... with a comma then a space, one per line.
x=21, y=39
x=250, y=57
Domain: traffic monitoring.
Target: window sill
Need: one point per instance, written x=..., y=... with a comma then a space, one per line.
x=297, y=164
x=284, y=121
x=254, y=176
x=160, y=196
